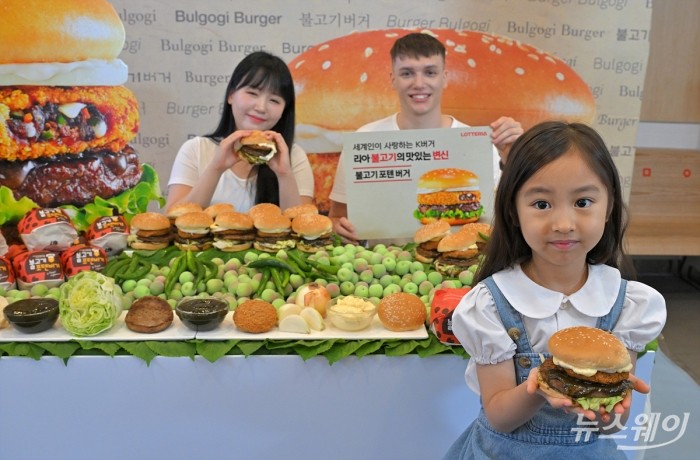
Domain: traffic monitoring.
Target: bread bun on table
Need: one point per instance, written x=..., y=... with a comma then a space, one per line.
x=255, y=316
x=149, y=314
x=401, y=312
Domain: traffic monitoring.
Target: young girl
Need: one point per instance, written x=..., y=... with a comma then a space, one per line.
x=552, y=262
x=259, y=96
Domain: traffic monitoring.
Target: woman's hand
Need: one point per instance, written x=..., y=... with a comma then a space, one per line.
x=505, y=131
x=280, y=163
x=226, y=155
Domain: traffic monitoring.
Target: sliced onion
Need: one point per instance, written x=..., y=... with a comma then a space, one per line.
x=313, y=295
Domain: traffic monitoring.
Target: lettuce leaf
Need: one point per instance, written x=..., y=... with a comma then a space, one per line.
x=90, y=303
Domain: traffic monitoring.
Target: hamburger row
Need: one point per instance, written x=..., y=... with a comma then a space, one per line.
x=451, y=252
x=265, y=227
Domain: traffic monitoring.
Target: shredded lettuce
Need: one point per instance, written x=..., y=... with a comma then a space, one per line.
x=597, y=403
x=90, y=303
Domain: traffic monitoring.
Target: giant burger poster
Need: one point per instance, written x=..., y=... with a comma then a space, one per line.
x=66, y=120
x=179, y=55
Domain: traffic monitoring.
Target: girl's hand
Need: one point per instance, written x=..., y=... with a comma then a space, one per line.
x=280, y=163
x=226, y=152
x=566, y=404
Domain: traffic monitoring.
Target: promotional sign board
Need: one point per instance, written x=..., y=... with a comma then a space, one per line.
x=397, y=180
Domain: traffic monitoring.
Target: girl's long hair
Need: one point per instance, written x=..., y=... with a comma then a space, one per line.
x=262, y=71
x=537, y=147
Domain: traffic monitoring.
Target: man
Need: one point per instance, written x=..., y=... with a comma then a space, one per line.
x=419, y=77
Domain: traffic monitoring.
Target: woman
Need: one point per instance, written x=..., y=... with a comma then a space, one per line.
x=207, y=170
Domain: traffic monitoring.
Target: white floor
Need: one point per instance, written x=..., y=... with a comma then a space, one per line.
x=673, y=393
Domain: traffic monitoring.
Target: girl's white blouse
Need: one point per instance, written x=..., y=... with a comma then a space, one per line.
x=478, y=326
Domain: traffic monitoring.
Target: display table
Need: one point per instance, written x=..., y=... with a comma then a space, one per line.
x=259, y=407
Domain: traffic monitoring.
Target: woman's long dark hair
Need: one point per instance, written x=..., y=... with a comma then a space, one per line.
x=262, y=71
x=537, y=147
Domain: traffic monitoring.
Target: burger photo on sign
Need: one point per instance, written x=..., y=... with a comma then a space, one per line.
x=344, y=83
x=65, y=119
x=448, y=194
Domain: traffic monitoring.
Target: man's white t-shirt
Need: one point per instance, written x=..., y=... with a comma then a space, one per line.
x=339, y=191
x=196, y=153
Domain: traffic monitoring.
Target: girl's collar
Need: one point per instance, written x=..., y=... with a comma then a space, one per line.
x=595, y=298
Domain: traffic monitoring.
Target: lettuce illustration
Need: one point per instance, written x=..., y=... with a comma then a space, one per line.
x=90, y=303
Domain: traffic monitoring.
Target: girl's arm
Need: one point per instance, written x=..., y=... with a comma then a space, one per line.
x=507, y=405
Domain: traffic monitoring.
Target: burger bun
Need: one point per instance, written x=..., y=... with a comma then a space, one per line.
x=401, y=312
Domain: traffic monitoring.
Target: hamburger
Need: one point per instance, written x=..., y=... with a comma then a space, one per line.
x=427, y=238
x=233, y=231
x=313, y=232
x=343, y=83
x=458, y=251
x=448, y=194
x=149, y=231
x=193, y=231
x=273, y=232
x=65, y=120
x=589, y=366
x=257, y=149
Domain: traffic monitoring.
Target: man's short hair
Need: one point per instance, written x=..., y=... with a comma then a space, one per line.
x=417, y=45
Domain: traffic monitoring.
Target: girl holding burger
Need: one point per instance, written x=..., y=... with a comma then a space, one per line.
x=209, y=169
x=552, y=261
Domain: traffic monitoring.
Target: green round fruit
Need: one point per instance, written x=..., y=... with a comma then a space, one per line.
x=129, y=285
x=389, y=263
x=376, y=290
x=403, y=267
x=410, y=288
x=347, y=288
x=141, y=291
x=361, y=291
x=378, y=270
x=435, y=278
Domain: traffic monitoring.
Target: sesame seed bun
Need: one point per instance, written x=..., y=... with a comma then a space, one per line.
x=215, y=209
x=306, y=208
x=312, y=226
x=433, y=231
x=194, y=222
x=178, y=209
x=333, y=76
x=589, y=348
x=260, y=208
x=271, y=222
x=401, y=311
x=232, y=220
x=149, y=221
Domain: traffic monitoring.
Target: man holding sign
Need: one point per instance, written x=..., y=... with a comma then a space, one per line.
x=419, y=78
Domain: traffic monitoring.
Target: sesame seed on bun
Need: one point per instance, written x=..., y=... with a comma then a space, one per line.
x=197, y=221
x=217, y=208
x=232, y=220
x=306, y=208
x=150, y=221
x=180, y=208
x=260, y=208
x=312, y=226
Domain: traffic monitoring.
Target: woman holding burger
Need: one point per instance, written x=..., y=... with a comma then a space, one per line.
x=258, y=109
